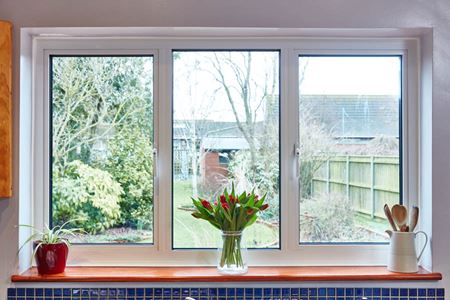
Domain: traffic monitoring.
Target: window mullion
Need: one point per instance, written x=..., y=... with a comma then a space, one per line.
x=163, y=201
x=290, y=118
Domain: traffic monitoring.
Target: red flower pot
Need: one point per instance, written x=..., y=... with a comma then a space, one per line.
x=51, y=258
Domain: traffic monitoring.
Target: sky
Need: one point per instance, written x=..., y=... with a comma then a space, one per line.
x=197, y=94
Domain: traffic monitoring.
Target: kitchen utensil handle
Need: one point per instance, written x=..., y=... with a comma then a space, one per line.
x=423, y=248
x=388, y=214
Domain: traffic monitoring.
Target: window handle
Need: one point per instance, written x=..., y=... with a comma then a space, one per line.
x=155, y=163
x=296, y=161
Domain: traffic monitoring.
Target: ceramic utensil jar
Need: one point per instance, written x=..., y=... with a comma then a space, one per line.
x=403, y=256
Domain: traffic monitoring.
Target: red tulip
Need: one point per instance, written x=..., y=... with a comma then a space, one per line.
x=222, y=199
x=225, y=206
x=234, y=199
x=264, y=207
x=207, y=205
x=249, y=211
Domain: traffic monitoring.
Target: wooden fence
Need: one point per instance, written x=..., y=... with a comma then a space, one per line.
x=367, y=181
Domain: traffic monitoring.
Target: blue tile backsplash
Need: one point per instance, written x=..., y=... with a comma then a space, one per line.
x=225, y=293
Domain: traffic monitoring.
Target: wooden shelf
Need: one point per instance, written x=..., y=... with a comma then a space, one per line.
x=209, y=274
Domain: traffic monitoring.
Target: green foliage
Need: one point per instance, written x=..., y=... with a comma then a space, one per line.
x=102, y=141
x=231, y=211
x=56, y=235
x=90, y=195
x=131, y=165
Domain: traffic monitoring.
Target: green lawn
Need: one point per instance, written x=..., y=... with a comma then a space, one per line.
x=190, y=232
x=376, y=225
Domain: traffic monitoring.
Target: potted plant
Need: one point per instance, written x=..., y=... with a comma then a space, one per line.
x=231, y=214
x=51, y=247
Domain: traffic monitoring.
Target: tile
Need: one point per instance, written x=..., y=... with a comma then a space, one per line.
x=322, y=292
x=184, y=292
x=140, y=292
x=49, y=292
x=312, y=292
x=131, y=292
x=422, y=292
x=395, y=293
x=11, y=292
x=194, y=292
x=20, y=292
x=158, y=292
x=303, y=292
x=248, y=292
x=149, y=292
x=228, y=293
x=349, y=292
x=67, y=292
x=403, y=292
x=258, y=292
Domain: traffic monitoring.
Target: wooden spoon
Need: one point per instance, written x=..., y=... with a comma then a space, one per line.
x=388, y=214
x=413, y=218
x=400, y=215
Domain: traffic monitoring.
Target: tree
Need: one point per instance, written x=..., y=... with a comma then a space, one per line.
x=235, y=72
x=102, y=112
x=194, y=118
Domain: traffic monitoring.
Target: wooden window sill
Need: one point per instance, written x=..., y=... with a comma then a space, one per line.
x=209, y=274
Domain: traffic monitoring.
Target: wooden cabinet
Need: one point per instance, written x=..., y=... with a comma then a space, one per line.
x=5, y=110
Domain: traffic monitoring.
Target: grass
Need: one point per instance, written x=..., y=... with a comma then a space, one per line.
x=194, y=233
x=191, y=233
x=376, y=225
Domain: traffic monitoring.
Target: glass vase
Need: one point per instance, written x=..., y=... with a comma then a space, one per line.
x=232, y=255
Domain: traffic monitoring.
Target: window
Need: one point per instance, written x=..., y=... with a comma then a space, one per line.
x=327, y=132
x=226, y=129
x=349, y=146
x=102, y=153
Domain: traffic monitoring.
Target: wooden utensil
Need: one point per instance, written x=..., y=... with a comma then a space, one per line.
x=388, y=214
x=413, y=218
x=400, y=215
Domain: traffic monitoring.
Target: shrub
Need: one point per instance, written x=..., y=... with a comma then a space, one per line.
x=328, y=218
x=89, y=195
x=131, y=165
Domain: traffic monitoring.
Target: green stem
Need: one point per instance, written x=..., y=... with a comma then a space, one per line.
x=231, y=251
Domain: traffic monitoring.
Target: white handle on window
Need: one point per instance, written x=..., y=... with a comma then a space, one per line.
x=296, y=161
x=155, y=163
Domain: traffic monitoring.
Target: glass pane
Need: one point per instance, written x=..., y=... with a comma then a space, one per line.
x=102, y=141
x=350, y=162
x=225, y=129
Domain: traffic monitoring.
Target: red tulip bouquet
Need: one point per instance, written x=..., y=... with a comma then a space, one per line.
x=231, y=213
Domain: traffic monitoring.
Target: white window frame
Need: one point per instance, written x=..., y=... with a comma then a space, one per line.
x=160, y=253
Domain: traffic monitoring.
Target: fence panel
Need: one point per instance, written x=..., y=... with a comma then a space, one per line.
x=367, y=181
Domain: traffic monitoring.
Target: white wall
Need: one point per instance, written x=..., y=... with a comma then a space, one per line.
x=255, y=13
